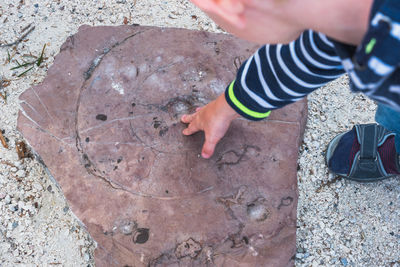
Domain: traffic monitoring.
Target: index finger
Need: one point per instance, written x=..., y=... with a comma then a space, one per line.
x=187, y=118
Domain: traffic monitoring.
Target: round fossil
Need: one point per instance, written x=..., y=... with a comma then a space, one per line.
x=257, y=211
x=141, y=235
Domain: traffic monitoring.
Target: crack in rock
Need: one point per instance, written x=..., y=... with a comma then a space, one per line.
x=285, y=201
x=87, y=74
x=189, y=248
x=233, y=199
x=232, y=157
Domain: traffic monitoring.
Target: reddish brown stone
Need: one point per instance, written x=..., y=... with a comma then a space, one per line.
x=105, y=121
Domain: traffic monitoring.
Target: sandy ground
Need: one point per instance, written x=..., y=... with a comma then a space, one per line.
x=340, y=223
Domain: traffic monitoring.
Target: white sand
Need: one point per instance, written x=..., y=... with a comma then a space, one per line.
x=342, y=224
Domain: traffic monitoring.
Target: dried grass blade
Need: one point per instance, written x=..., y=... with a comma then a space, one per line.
x=23, y=65
x=40, y=59
x=25, y=71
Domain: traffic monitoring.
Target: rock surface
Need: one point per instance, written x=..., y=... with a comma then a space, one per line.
x=106, y=123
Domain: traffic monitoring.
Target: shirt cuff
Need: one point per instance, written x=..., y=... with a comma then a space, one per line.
x=240, y=108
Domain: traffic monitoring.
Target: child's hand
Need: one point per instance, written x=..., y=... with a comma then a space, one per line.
x=214, y=119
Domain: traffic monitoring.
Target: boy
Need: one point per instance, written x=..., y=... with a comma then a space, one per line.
x=361, y=38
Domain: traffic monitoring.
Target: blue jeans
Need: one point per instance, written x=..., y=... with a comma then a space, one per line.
x=390, y=119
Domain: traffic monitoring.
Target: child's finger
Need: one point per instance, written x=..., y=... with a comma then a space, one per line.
x=191, y=129
x=197, y=109
x=187, y=118
x=208, y=148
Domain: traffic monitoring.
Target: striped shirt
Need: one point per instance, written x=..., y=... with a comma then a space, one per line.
x=277, y=75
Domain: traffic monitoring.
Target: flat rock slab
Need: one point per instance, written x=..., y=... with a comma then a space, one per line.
x=105, y=122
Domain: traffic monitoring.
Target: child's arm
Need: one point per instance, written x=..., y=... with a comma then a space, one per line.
x=276, y=75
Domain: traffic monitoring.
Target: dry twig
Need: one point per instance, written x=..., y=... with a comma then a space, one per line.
x=4, y=83
x=4, y=96
x=7, y=163
x=20, y=39
x=3, y=140
x=22, y=151
x=328, y=183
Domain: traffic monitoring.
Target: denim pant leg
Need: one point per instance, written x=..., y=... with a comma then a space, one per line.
x=390, y=119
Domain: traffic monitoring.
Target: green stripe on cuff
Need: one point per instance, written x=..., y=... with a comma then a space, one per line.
x=240, y=106
x=370, y=46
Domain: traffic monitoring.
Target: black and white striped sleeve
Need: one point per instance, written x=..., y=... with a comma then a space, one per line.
x=277, y=75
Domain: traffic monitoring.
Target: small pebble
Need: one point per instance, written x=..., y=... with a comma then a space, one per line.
x=344, y=261
x=330, y=232
x=8, y=199
x=300, y=250
x=14, y=225
x=37, y=186
x=86, y=257
x=113, y=19
x=21, y=173
x=14, y=208
x=299, y=255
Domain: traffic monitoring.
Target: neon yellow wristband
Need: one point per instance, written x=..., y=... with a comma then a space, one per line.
x=244, y=109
